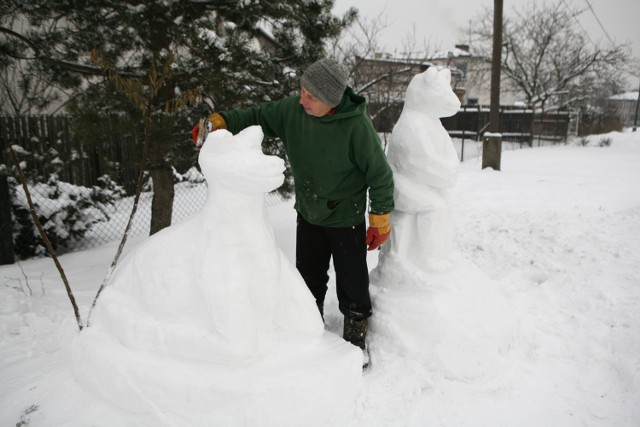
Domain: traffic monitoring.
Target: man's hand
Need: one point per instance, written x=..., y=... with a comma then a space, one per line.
x=379, y=230
x=213, y=122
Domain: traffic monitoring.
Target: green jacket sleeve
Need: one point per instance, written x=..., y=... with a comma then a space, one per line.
x=268, y=115
x=368, y=154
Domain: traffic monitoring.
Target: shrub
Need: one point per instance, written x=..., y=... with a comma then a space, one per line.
x=66, y=211
x=193, y=176
x=605, y=142
x=597, y=122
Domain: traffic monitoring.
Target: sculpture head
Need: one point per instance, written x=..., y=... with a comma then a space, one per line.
x=237, y=162
x=430, y=93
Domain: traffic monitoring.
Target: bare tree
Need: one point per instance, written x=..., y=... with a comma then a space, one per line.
x=381, y=76
x=547, y=58
x=360, y=40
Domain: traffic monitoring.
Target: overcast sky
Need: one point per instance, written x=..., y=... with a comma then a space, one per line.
x=442, y=23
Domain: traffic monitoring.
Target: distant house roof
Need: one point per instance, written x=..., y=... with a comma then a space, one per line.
x=387, y=58
x=627, y=96
x=458, y=51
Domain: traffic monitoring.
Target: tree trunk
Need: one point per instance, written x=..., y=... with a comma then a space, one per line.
x=163, y=193
x=161, y=173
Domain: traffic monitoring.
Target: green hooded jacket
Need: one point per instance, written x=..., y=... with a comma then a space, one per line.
x=335, y=159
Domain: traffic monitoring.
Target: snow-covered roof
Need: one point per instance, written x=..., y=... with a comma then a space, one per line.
x=627, y=96
x=458, y=51
x=388, y=58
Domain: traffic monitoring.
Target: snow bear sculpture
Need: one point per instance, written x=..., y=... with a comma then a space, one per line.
x=204, y=320
x=425, y=166
x=418, y=291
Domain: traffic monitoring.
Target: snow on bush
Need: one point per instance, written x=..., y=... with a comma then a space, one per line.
x=66, y=211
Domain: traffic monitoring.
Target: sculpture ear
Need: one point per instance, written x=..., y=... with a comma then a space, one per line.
x=446, y=73
x=431, y=72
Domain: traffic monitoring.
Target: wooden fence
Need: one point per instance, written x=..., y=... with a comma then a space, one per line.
x=115, y=151
x=53, y=146
x=86, y=159
x=471, y=122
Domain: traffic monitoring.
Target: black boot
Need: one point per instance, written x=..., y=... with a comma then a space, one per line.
x=355, y=331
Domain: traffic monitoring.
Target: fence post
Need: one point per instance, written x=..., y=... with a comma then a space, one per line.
x=7, y=253
x=464, y=123
x=491, y=150
x=541, y=130
x=478, y=126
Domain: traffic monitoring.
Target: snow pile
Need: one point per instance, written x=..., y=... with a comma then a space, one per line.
x=429, y=306
x=208, y=323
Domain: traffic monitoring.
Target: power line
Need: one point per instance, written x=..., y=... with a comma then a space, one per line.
x=600, y=23
x=574, y=15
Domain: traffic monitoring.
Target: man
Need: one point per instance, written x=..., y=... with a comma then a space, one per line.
x=336, y=158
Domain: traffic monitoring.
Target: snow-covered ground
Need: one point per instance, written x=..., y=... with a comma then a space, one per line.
x=541, y=312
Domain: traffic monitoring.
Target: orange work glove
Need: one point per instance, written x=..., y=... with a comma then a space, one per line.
x=378, y=232
x=213, y=122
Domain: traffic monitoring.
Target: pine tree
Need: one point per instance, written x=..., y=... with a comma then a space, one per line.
x=213, y=46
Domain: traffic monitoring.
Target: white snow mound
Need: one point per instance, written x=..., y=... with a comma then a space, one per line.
x=208, y=323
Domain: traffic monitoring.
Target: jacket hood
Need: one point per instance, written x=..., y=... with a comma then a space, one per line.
x=351, y=105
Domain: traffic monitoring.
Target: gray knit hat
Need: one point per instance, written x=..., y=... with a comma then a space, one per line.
x=326, y=80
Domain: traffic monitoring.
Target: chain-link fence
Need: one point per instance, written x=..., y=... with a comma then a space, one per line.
x=79, y=207
x=189, y=199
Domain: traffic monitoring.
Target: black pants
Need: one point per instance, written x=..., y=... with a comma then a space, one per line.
x=315, y=245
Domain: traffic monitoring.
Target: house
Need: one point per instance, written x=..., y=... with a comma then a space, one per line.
x=470, y=75
x=383, y=79
x=626, y=105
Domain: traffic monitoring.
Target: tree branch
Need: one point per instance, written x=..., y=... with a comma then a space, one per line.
x=45, y=239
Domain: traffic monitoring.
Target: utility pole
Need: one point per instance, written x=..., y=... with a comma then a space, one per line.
x=635, y=120
x=492, y=141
